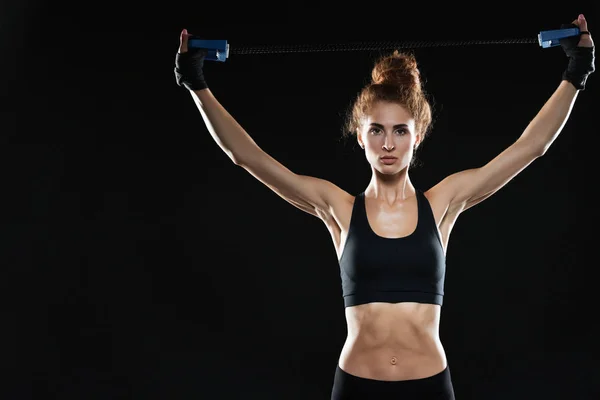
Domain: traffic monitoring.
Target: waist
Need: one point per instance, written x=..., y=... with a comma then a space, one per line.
x=393, y=341
x=403, y=325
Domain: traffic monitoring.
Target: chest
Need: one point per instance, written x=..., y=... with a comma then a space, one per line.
x=397, y=222
x=416, y=257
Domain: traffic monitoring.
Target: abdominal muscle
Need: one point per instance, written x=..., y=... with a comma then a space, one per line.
x=393, y=342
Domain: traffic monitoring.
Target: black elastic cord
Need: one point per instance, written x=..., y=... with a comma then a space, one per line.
x=366, y=46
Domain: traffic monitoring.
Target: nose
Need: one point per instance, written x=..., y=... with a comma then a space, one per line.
x=388, y=145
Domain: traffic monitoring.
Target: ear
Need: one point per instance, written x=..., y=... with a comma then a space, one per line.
x=418, y=140
x=359, y=139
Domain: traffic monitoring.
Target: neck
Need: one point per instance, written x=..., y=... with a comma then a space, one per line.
x=390, y=188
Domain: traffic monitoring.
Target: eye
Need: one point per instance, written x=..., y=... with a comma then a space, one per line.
x=402, y=131
x=374, y=131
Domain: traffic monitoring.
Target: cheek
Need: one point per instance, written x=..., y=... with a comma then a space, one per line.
x=373, y=142
x=406, y=145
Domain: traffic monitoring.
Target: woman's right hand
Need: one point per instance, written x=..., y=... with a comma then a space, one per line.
x=183, y=41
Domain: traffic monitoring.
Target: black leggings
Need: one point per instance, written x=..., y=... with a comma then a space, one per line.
x=350, y=387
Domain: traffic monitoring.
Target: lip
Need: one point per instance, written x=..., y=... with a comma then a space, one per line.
x=388, y=159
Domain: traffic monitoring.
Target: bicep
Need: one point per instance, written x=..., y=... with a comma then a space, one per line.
x=470, y=187
x=309, y=194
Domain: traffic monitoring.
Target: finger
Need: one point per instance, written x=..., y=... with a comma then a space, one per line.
x=582, y=23
x=585, y=39
x=183, y=41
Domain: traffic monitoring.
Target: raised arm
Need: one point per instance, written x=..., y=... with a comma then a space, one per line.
x=467, y=188
x=310, y=194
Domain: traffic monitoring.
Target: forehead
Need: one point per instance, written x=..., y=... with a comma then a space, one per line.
x=387, y=113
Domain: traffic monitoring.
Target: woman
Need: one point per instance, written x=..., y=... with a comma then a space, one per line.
x=391, y=239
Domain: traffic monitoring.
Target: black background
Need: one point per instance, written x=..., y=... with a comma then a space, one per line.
x=139, y=263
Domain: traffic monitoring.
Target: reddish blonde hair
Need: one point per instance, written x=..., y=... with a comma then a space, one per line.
x=395, y=78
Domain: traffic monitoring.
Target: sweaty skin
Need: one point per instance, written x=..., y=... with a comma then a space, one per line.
x=392, y=341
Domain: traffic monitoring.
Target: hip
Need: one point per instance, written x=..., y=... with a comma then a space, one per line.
x=349, y=387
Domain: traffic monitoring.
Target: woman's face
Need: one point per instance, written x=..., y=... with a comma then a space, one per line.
x=388, y=137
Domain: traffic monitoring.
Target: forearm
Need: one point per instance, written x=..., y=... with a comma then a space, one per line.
x=549, y=121
x=225, y=130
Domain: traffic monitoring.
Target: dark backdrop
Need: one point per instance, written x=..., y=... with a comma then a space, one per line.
x=139, y=263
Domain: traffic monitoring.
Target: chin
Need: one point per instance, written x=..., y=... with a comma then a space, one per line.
x=388, y=170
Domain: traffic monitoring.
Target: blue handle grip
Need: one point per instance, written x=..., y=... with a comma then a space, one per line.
x=551, y=38
x=218, y=50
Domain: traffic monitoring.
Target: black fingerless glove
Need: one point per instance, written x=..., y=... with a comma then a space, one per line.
x=188, y=69
x=581, y=60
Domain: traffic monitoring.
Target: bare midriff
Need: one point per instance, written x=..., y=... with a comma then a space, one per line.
x=393, y=342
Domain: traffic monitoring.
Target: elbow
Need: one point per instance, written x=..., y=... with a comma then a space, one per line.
x=234, y=158
x=539, y=151
x=233, y=154
x=535, y=149
x=237, y=158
